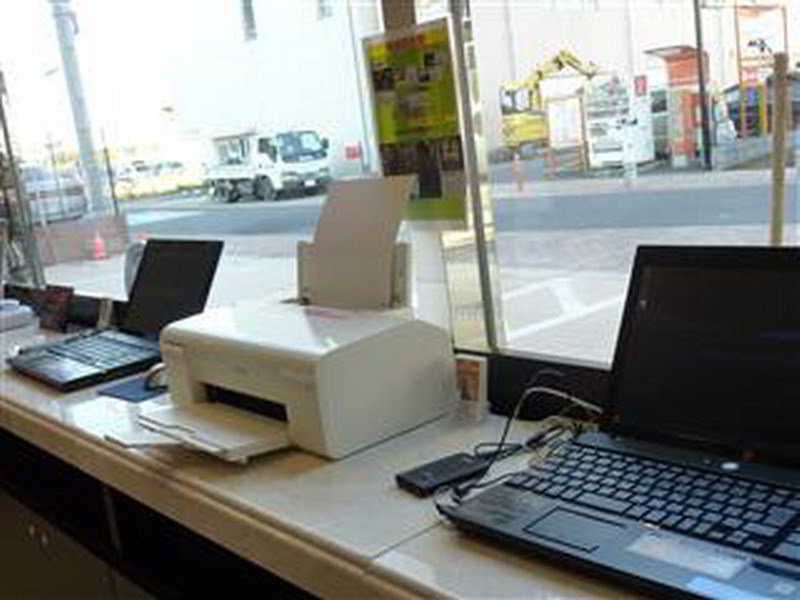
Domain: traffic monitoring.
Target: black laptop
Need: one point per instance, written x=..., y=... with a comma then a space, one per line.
x=172, y=282
x=692, y=485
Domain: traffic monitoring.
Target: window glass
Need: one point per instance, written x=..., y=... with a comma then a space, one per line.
x=298, y=145
x=587, y=117
x=596, y=145
x=176, y=101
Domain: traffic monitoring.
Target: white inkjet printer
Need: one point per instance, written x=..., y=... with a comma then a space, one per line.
x=334, y=381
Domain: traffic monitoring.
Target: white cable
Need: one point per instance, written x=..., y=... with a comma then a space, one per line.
x=540, y=389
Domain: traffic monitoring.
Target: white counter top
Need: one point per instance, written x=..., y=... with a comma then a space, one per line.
x=336, y=528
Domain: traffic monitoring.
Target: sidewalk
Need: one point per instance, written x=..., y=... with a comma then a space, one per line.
x=563, y=299
x=592, y=184
x=238, y=277
x=645, y=182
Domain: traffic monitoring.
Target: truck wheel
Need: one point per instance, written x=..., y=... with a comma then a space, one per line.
x=218, y=192
x=264, y=190
x=232, y=194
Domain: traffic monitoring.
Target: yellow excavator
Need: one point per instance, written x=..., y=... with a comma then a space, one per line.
x=522, y=106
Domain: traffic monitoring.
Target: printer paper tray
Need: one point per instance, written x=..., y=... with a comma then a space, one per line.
x=229, y=433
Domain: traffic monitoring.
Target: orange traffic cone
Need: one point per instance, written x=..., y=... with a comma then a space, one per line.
x=98, y=247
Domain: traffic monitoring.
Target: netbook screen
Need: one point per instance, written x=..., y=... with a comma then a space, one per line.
x=712, y=352
x=172, y=282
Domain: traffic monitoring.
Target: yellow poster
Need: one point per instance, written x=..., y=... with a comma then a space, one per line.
x=416, y=115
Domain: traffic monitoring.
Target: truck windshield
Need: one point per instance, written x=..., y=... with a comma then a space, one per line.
x=300, y=145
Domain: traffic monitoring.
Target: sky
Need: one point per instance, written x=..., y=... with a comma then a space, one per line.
x=124, y=49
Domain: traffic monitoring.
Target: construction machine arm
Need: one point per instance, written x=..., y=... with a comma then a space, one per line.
x=587, y=69
x=560, y=61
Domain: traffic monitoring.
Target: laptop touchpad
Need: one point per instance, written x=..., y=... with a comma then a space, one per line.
x=574, y=529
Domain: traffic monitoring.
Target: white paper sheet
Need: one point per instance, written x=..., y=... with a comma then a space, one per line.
x=354, y=242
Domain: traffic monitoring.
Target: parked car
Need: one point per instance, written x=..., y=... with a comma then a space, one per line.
x=142, y=178
x=53, y=196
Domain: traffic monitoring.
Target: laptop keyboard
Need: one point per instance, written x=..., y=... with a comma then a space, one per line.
x=101, y=351
x=726, y=510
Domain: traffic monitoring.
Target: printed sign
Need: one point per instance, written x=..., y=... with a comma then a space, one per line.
x=416, y=113
x=761, y=35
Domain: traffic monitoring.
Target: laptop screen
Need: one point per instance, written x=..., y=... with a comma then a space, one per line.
x=709, y=348
x=172, y=282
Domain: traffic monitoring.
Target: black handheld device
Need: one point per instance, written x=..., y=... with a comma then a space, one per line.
x=426, y=479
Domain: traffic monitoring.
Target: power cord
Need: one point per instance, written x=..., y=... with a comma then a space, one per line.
x=502, y=448
x=564, y=396
x=551, y=437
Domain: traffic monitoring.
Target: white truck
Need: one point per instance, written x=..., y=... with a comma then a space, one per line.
x=269, y=164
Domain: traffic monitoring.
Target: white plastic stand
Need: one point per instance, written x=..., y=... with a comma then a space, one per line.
x=431, y=294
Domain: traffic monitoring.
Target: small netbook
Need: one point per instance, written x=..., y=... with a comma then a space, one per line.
x=172, y=282
x=691, y=488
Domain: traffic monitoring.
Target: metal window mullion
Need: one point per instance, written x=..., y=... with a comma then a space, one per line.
x=473, y=179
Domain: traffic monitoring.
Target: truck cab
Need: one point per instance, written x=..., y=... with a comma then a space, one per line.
x=270, y=164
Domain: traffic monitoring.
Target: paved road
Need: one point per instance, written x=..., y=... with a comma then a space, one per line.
x=564, y=247
x=529, y=210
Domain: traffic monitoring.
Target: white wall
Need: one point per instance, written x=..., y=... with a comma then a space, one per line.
x=595, y=31
x=599, y=36
x=298, y=73
x=301, y=71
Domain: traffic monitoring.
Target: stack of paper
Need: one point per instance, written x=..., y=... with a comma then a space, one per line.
x=354, y=242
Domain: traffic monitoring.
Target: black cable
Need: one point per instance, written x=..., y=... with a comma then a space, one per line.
x=541, y=373
x=503, y=451
x=545, y=408
x=467, y=487
x=543, y=438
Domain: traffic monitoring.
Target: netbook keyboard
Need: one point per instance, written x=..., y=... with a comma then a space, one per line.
x=726, y=510
x=107, y=350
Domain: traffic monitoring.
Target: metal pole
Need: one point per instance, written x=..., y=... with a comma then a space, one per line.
x=23, y=227
x=109, y=173
x=366, y=146
x=721, y=78
x=512, y=55
x=701, y=73
x=742, y=91
x=54, y=168
x=780, y=121
x=473, y=177
x=627, y=155
x=66, y=28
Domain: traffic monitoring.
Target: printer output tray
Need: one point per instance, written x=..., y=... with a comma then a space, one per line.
x=224, y=431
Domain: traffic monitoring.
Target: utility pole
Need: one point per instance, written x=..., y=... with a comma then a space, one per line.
x=701, y=73
x=66, y=28
x=629, y=161
x=512, y=55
